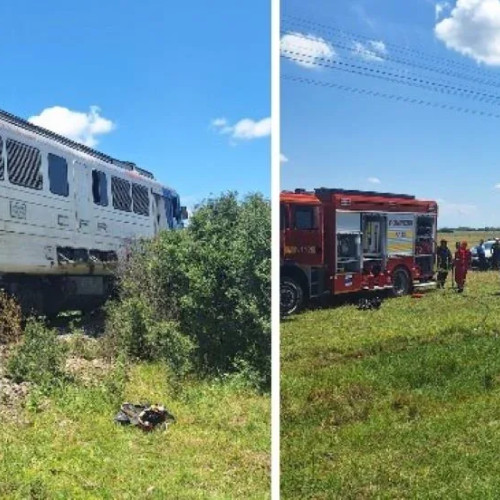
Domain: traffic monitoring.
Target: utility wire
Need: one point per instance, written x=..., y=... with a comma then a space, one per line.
x=398, y=48
x=413, y=81
x=393, y=97
x=398, y=60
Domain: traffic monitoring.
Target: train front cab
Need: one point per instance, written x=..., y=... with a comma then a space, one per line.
x=167, y=210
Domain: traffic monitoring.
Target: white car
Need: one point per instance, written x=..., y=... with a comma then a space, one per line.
x=487, y=252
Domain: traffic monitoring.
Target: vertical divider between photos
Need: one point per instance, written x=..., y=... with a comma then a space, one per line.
x=275, y=274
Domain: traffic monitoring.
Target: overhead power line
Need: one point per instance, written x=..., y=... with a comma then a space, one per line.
x=386, y=56
x=392, y=97
x=290, y=19
x=383, y=74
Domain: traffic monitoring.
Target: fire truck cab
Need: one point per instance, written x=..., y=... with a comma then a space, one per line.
x=336, y=241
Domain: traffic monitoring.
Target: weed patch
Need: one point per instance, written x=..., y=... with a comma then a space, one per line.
x=10, y=319
x=39, y=358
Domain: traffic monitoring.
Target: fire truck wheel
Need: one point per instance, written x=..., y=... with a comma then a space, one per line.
x=401, y=282
x=291, y=296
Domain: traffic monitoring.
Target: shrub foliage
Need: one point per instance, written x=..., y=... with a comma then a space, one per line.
x=202, y=293
x=133, y=331
x=40, y=357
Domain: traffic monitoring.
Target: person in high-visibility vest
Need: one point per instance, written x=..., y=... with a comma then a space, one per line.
x=461, y=263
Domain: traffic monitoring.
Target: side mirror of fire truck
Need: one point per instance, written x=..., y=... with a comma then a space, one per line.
x=184, y=213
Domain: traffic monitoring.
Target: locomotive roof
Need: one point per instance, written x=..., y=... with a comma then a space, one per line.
x=30, y=127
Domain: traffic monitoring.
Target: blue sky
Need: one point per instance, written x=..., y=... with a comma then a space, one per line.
x=160, y=74
x=337, y=138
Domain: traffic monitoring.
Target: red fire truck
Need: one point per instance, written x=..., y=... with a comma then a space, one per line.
x=336, y=241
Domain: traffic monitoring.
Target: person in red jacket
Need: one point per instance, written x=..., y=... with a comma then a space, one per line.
x=461, y=263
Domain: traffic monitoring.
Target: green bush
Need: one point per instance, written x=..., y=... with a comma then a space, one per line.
x=212, y=280
x=172, y=346
x=127, y=327
x=40, y=357
x=133, y=331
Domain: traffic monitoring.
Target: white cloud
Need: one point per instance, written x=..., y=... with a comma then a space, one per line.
x=76, y=125
x=497, y=186
x=308, y=48
x=373, y=180
x=472, y=28
x=283, y=158
x=439, y=8
x=245, y=129
x=373, y=50
x=379, y=46
x=219, y=122
x=250, y=129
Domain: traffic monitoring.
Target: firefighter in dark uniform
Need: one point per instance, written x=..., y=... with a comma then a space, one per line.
x=481, y=256
x=444, y=263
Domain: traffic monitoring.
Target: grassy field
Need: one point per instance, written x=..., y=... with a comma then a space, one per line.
x=68, y=446
x=396, y=403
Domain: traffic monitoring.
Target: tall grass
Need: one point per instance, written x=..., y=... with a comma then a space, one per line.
x=68, y=446
x=396, y=403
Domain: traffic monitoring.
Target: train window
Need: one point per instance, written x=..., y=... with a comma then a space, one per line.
x=99, y=188
x=24, y=165
x=140, y=199
x=306, y=217
x=120, y=189
x=58, y=175
x=1, y=159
